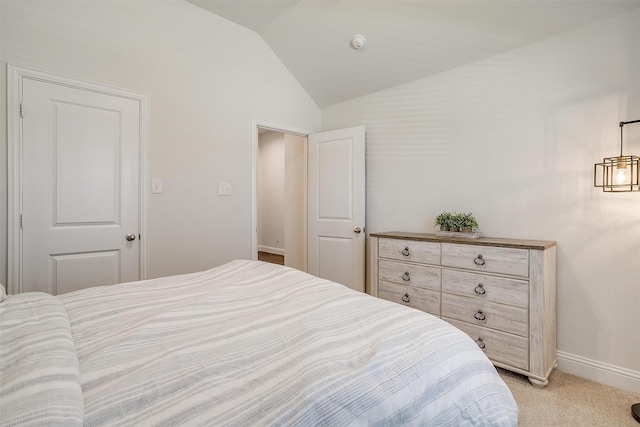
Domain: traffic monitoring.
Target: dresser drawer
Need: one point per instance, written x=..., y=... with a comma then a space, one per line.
x=488, y=259
x=486, y=288
x=410, y=274
x=422, y=299
x=410, y=250
x=498, y=346
x=505, y=318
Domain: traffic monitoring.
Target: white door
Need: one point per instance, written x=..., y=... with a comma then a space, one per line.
x=336, y=191
x=80, y=189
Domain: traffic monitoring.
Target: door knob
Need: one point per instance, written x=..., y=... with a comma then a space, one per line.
x=357, y=230
x=130, y=237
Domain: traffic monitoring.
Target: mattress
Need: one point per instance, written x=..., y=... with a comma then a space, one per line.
x=246, y=343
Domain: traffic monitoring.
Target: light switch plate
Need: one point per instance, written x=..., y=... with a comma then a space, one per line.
x=224, y=189
x=156, y=186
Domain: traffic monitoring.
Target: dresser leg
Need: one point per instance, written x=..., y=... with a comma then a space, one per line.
x=538, y=383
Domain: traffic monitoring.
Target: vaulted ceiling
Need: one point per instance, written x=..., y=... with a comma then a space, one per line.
x=405, y=40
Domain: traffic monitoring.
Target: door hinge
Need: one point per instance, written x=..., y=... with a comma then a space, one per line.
x=21, y=111
x=21, y=221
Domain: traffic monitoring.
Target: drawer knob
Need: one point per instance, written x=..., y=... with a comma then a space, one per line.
x=406, y=298
x=480, y=315
x=479, y=260
x=480, y=343
x=405, y=251
x=406, y=277
x=480, y=290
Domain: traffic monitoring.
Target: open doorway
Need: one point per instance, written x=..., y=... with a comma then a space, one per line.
x=281, y=199
x=333, y=221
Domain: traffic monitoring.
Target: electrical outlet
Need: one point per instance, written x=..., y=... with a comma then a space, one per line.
x=224, y=189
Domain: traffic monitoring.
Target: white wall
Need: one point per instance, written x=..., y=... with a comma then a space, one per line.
x=207, y=79
x=270, y=192
x=295, y=190
x=513, y=139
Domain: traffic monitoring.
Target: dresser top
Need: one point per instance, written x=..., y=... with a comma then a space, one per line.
x=480, y=241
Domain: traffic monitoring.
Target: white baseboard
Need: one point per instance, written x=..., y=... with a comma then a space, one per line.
x=604, y=373
x=271, y=250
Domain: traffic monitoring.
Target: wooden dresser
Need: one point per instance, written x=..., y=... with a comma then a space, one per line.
x=501, y=292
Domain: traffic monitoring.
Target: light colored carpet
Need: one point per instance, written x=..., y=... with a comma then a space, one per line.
x=570, y=401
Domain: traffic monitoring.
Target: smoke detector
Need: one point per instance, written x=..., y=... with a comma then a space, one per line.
x=358, y=42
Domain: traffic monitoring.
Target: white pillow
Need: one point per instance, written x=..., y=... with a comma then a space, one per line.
x=3, y=294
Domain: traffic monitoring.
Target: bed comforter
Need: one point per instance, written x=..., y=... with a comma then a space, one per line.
x=246, y=343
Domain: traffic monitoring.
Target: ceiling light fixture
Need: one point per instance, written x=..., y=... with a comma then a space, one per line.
x=358, y=42
x=618, y=174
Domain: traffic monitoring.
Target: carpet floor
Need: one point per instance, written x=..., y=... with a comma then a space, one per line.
x=570, y=401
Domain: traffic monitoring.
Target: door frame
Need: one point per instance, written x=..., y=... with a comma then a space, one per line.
x=255, y=124
x=15, y=76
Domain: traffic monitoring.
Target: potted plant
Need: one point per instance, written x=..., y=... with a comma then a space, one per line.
x=456, y=222
x=464, y=224
x=444, y=221
x=467, y=222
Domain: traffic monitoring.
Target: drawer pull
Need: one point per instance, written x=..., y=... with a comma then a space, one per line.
x=480, y=343
x=480, y=315
x=406, y=277
x=480, y=290
x=405, y=251
x=479, y=260
x=406, y=298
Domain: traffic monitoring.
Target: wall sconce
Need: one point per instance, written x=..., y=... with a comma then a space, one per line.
x=618, y=174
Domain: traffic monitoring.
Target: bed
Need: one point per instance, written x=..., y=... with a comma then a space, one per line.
x=246, y=343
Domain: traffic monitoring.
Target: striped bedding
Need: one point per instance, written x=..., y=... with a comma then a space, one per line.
x=243, y=344
x=39, y=373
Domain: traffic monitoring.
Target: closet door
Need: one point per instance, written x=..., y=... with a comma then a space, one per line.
x=80, y=188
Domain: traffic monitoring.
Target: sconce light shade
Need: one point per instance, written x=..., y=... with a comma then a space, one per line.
x=618, y=174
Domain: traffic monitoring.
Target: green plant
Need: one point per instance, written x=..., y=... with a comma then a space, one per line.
x=456, y=221
x=444, y=221
x=466, y=221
